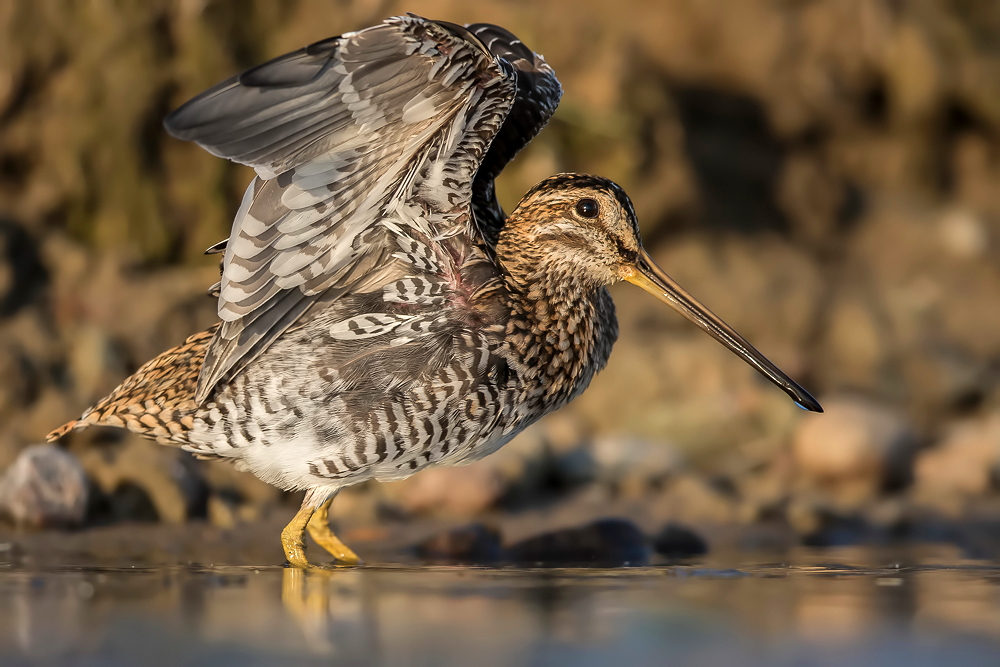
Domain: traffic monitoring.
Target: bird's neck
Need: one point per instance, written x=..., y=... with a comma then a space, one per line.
x=560, y=329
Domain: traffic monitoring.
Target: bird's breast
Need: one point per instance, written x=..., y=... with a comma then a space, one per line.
x=557, y=345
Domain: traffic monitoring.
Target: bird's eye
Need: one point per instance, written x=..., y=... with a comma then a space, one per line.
x=587, y=208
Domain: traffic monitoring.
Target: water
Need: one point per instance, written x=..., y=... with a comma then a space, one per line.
x=808, y=613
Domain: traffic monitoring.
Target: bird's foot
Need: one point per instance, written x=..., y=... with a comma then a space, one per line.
x=319, y=528
x=293, y=538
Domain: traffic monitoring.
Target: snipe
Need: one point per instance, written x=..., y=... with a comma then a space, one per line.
x=380, y=313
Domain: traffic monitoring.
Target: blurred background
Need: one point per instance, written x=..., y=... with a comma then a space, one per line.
x=820, y=173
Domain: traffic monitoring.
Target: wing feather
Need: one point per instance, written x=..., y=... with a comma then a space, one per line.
x=366, y=147
x=538, y=95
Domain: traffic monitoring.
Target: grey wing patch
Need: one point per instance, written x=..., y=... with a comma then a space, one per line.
x=538, y=95
x=387, y=123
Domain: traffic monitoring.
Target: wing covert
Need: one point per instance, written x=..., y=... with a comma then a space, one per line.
x=359, y=142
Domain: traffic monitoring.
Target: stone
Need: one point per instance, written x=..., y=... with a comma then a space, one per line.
x=45, y=487
x=170, y=478
x=222, y=512
x=963, y=233
x=963, y=465
x=634, y=462
x=456, y=492
x=821, y=523
x=602, y=543
x=690, y=499
x=855, y=450
x=224, y=479
x=572, y=468
x=475, y=544
x=920, y=323
x=763, y=486
x=677, y=541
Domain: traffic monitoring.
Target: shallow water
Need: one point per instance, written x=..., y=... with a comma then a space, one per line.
x=809, y=613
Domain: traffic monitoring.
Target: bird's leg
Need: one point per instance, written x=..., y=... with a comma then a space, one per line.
x=319, y=528
x=293, y=536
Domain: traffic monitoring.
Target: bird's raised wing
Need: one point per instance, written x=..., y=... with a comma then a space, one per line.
x=538, y=95
x=346, y=135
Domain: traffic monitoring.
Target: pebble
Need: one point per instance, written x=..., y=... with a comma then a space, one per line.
x=855, y=449
x=677, y=541
x=603, y=543
x=964, y=464
x=45, y=486
x=966, y=459
x=632, y=464
x=475, y=544
x=457, y=492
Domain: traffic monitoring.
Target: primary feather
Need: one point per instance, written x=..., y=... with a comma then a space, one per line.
x=364, y=142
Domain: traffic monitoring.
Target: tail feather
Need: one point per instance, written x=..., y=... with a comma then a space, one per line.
x=157, y=401
x=63, y=430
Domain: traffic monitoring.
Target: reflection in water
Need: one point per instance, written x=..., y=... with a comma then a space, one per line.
x=328, y=604
x=765, y=615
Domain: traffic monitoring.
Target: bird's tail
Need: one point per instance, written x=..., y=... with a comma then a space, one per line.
x=157, y=401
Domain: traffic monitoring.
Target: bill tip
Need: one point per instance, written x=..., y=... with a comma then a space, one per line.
x=811, y=406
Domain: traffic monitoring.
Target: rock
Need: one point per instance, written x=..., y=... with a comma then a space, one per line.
x=167, y=477
x=45, y=486
x=475, y=544
x=810, y=195
x=917, y=324
x=572, y=468
x=462, y=491
x=222, y=511
x=561, y=431
x=854, y=450
x=764, y=485
x=22, y=274
x=603, y=543
x=249, y=495
x=963, y=465
x=362, y=503
x=820, y=523
x=854, y=346
x=632, y=464
x=840, y=531
x=963, y=233
x=690, y=499
x=677, y=541
x=524, y=465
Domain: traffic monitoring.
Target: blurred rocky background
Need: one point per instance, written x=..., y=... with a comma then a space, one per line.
x=821, y=173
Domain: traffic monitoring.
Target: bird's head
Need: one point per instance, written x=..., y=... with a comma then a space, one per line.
x=582, y=230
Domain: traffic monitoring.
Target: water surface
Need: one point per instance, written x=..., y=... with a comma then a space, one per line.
x=811, y=612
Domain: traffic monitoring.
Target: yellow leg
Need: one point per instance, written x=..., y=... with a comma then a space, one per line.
x=293, y=537
x=319, y=528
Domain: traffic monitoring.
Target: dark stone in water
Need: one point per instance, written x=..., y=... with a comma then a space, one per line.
x=603, y=543
x=475, y=544
x=676, y=541
x=841, y=531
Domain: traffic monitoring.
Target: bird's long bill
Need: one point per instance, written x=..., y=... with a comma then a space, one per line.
x=651, y=278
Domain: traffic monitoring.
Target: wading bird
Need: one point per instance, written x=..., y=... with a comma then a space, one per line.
x=380, y=313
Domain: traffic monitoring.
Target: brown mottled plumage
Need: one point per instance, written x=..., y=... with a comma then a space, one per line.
x=157, y=400
x=379, y=312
